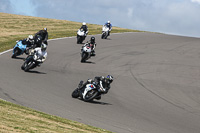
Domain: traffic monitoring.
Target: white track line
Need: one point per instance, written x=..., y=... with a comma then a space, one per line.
x=48, y=40
x=5, y=51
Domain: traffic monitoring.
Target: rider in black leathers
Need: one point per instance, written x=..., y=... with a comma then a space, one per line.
x=44, y=34
x=84, y=27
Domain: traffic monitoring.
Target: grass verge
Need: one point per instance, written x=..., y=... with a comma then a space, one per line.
x=15, y=27
x=16, y=118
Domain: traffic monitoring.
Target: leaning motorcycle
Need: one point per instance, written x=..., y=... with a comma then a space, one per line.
x=31, y=61
x=85, y=53
x=105, y=31
x=81, y=35
x=89, y=93
x=18, y=49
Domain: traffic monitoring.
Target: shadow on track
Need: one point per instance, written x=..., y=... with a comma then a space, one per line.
x=36, y=72
x=89, y=62
x=95, y=102
x=19, y=58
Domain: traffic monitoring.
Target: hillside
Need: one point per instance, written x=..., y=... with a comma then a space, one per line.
x=15, y=27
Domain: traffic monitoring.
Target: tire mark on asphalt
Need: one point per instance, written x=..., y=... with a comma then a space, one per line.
x=140, y=83
x=7, y=95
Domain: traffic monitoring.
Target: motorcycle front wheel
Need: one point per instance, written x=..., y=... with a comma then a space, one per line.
x=16, y=51
x=84, y=57
x=90, y=95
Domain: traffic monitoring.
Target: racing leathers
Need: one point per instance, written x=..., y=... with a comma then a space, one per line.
x=85, y=29
x=39, y=56
x=109, y=25
x=92, y=45
x=43, y=34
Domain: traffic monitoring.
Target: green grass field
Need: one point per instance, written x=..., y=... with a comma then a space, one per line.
x=15, y=118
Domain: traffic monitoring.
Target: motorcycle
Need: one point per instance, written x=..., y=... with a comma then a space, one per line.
x=105, y=31
x=81, y=35
x=18, y=49
x=90, y=92
x=31, y=61
x=85, y=53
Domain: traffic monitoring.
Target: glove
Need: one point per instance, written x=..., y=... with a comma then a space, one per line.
x=35, y=57
x=43, y=59
x=102, y=90
x=89, y=80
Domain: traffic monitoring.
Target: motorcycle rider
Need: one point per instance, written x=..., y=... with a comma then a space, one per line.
x=40, y=55
x=84, y=27
x=109, y=25
x=44, y=34
x=92, y=44
x=102, y=83
x=38, y=41
x=29, y=42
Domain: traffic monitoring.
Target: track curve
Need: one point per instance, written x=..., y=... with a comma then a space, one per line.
x=156, y=87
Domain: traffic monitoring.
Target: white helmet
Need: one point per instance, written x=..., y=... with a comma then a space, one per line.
x=30, y=37
x=108, y=22
x=84, y=23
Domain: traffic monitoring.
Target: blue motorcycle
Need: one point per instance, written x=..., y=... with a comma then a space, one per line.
x=19, y=49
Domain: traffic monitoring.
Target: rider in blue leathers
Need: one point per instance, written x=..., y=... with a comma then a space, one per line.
x=109, y=25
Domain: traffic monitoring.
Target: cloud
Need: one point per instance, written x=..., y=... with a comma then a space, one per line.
x=196, y=1
x=167, y=16
x=5, y=6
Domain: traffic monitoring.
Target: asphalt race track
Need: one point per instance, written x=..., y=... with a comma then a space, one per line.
x=156, y=87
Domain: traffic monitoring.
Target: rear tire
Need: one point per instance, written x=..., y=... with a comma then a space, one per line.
x=75, y=93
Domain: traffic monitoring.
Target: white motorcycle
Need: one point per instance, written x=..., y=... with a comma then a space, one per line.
x=32, y=61
x=105, y=31
x=89, y=93
x=85, y=53
x=81, y=35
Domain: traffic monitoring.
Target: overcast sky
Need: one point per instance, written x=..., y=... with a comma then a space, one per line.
x=179, y=17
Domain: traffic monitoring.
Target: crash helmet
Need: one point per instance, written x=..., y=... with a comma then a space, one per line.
x=84, y=23
x=92, y=39
x=30, y=38
x=110, y=78
x=43, y=47
x=45, y=29
x=108, y=22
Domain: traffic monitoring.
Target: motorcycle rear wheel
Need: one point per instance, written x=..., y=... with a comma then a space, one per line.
x=75, y=93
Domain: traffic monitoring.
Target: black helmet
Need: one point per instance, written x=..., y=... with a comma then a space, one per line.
x=92, y=39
